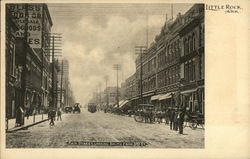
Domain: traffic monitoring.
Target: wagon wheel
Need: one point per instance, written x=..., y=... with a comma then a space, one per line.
x=194, y=124
x=138, y=118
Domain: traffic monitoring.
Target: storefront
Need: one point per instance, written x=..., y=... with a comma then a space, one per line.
x=194, y=99
x=163, y=101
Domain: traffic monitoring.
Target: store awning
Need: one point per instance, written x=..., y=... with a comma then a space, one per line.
x=134, y=98
x=149, y=94
x=120, y=102
x=189, y=91
x=124, y=103
x=165, y=96
x=156, y=97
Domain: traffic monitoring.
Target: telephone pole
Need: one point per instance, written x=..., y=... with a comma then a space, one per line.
x=117, y=67
x=61, y=85
x=54, y=50
x=140, y=50
x=107, y=97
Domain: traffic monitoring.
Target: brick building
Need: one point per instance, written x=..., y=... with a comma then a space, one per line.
x=173, y=65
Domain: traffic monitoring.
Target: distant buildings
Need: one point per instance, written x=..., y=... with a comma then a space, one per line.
x=65, y=95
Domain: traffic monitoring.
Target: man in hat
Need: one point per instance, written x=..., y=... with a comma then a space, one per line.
x=181, y=114
x=175, y=119
x=171, y=117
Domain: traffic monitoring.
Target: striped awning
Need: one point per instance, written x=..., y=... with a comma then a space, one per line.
x=156, y=97
x=165, y=96
x=124, y=103
x=189, y=91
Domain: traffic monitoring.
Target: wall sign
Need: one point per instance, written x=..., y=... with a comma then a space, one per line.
x=34, y=22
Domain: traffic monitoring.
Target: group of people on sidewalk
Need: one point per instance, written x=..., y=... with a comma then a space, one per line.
x=176, y=118
x=52, y=115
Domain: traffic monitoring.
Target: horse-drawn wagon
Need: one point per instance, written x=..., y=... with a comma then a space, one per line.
x=144, y=113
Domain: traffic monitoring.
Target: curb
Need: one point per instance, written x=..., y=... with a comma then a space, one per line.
x=25, y=127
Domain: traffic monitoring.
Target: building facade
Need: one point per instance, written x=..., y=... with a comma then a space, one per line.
x=13, y=71
x=192, y=59
x=31, y=63
x=173, y=65
x=64, y=92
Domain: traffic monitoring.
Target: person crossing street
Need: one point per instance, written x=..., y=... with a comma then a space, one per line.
x=181, y=114
x=59, y=114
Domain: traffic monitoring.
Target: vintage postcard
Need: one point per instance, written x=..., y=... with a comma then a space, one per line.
x=109, y=79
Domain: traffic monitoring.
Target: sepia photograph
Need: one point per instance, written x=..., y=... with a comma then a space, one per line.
x=104, y=75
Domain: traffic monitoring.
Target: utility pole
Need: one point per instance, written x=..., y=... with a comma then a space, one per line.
x=19, y=118
x=147, y=29
x=56, y=51
x=61, y=85
x=140, y=50
x=117, y=67
x=107, y=95
x=172, y=18
x=53, y=66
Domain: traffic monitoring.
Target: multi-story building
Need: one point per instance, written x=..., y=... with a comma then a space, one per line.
x=173, y=66
x=13, y=71
x=31, y=57
x=65, y=94
x=192, y=59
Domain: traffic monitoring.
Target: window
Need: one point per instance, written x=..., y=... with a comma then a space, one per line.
x=186, y=73
x=193, y=71
x=193, y=39
x=190, y=44
x=168, y=50
x=178, y=48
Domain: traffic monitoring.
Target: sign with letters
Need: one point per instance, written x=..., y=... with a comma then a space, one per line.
x=34, y=38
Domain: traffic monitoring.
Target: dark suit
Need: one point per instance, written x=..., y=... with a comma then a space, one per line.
x=171, y=118
x=180, y=121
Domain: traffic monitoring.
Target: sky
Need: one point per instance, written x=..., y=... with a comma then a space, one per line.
x=97, y=36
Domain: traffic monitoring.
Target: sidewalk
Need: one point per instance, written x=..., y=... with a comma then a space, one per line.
x=27, y=122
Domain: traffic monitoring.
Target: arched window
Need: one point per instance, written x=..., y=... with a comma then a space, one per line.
x=168, y=54
x=185, y=47
x=190, y=42
x=174, y=51
x=193, y=39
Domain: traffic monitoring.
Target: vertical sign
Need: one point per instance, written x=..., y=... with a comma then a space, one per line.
x=34, y=22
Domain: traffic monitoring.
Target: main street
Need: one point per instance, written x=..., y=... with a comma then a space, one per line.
x=102, y=127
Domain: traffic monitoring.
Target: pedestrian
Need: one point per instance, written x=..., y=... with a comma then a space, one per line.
x=180, y=121
x=59, y=114
x=171, y=118
x=186, y=119
x=27, y=113
x=175, y=115
x=167, y=117
x=51, y=118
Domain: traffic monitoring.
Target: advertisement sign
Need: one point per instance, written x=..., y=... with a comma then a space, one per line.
x=34, y=38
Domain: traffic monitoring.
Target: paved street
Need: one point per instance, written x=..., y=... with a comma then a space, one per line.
x=101, y=127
